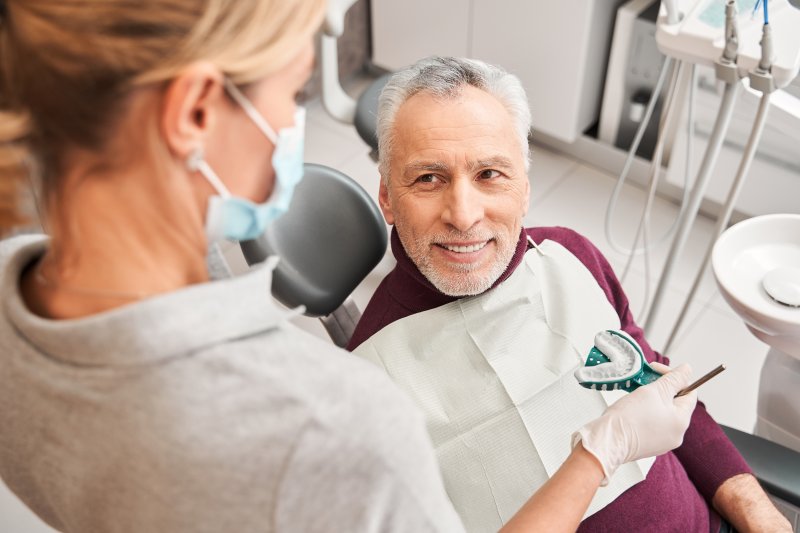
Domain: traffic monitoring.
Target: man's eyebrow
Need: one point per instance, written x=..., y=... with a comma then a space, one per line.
x=426, y=166
x=498, y=161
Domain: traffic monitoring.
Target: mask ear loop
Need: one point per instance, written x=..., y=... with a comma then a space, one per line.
x=196, y=163
x=251, y=111
x=533, y=243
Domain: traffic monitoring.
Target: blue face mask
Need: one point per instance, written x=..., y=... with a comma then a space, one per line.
x=239, y=219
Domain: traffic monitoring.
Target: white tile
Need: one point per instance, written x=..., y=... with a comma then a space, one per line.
x=717, y=338
x=329, y=142
x=635, y=291
x=547, y=170
x=16, y=517
x=364, y=171
x=318, y=116
x=579, y=201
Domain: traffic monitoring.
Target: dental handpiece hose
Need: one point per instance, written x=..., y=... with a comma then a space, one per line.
x=612, y=202
x=760, y=79
x=725, y=216
x=707, y=166
x=727, y=71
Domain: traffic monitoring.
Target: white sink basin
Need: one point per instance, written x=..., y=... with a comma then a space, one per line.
x=747, y=253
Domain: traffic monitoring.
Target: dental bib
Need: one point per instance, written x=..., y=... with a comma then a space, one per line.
x=493, y=374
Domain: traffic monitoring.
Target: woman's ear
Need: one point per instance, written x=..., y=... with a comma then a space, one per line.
x=191, y=106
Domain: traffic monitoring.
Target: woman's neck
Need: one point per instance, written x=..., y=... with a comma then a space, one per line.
x=117, y=240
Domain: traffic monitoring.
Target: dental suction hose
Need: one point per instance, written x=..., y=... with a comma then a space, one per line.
x=727, y=71
x=733, y=195
x=709, y=161
x=654, y=171
x=673, y=16
x=760, y=79
x=612, y=202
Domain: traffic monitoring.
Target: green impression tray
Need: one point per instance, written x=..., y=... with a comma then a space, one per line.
x=616, y=361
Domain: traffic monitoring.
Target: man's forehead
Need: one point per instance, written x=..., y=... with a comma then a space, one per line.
x=474, y=119
x=469, y=105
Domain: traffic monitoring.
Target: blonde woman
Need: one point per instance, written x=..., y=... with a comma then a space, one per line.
x=135, y=393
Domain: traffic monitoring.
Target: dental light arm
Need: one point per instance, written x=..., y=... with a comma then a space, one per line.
x=338, y=103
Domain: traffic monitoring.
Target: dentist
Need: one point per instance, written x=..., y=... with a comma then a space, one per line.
x=136, y=394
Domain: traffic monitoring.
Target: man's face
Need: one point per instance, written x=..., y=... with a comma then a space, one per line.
x=457, y=188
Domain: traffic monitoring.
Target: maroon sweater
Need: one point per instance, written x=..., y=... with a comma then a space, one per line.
x=676, y=494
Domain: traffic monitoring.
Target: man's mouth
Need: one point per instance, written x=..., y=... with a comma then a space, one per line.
x=464, y=248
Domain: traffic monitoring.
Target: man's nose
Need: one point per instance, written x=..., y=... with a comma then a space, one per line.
x=463, y=205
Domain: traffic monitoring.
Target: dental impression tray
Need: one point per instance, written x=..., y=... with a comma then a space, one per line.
x=616, y=361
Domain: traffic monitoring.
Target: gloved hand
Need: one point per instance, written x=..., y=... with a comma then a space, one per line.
x=647, y=422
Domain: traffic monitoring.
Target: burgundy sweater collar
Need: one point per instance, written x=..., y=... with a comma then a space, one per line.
x=409, y=287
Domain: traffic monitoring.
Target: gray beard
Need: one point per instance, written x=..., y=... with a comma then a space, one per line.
x=459, y=280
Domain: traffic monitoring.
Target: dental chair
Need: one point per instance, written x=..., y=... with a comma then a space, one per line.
x=360, y=112
x=334, y=235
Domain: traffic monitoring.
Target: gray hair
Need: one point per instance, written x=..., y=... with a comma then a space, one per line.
x=444, y=77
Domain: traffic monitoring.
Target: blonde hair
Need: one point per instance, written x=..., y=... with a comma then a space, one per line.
x=67, y=65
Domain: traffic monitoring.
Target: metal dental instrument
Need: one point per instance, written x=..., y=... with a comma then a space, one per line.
x=700, y=381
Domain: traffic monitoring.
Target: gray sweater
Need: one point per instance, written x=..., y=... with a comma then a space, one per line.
x=203, y=410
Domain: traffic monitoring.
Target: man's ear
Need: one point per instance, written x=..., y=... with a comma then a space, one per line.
x=190, y=107
x=385, y=203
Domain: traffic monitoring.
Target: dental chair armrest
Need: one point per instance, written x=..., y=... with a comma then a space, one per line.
x=776, y=467
x=341, y=324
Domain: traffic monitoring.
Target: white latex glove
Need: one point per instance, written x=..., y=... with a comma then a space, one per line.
x=647, y=422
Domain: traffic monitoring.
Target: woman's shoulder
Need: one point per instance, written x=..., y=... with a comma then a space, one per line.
x=288, y=371
x=335, y=382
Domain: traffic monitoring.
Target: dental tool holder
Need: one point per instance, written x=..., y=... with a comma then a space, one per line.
x=699, y=37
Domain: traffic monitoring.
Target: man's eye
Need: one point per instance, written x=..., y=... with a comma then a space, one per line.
x=489, y=174
x=428, y=178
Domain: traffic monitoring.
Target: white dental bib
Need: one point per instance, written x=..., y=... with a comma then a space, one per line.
x=493, y=375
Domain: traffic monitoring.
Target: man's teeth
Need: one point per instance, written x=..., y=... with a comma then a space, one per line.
x=465, y=249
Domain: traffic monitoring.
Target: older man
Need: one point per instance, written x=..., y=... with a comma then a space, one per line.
x=482, y=321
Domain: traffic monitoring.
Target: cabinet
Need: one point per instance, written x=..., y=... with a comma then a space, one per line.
x=558, y=49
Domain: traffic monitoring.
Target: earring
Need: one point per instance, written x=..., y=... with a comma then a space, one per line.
x=195, y=159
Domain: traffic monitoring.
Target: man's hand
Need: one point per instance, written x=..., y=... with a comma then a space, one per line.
x=744, y=504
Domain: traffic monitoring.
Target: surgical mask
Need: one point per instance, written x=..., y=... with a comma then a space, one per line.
x=239, y=219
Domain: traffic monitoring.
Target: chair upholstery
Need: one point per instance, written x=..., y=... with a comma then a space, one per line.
x=776, y=467
x=332, y=236
x=366, y=116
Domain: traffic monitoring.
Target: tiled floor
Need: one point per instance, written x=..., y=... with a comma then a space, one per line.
x=564, y=192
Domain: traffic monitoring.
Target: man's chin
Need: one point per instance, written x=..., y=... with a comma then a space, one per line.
x=460, y=282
